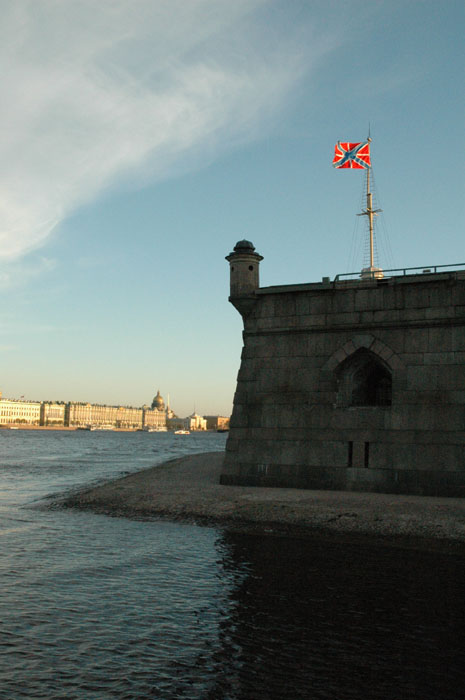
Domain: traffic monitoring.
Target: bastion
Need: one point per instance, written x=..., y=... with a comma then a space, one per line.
x=350, y=384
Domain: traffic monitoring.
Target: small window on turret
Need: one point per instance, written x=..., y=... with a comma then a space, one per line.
x=250, y=267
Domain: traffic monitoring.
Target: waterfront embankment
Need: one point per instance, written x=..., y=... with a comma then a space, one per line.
x=188, y=489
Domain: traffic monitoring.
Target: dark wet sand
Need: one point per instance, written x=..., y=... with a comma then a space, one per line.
x=188, y=489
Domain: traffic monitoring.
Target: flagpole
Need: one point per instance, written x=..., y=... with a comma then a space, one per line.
x=370, y=214
x=372, y=271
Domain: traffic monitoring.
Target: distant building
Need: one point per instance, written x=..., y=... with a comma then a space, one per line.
x=176, y=423
x=153, y=418
x=158, y=402
x=193, y=422
x=196, y=422
x=85, y=415
x=52, y=413
x=18, y=411
x=217, y=422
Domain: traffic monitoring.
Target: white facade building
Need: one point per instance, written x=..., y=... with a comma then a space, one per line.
x=17, y=411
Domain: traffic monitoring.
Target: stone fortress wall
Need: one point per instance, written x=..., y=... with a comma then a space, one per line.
x=355, y=385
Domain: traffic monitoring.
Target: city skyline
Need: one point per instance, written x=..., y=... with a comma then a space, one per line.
x=141, y=140
x=167, y=408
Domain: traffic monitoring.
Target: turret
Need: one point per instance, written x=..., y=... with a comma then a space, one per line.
x=244, y=264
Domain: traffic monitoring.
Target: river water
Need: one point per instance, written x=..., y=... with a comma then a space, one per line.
x=95, y=607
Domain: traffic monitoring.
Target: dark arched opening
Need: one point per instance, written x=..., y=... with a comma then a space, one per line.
x=364, y=380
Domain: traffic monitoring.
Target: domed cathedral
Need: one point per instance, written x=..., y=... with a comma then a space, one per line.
x=158, y=402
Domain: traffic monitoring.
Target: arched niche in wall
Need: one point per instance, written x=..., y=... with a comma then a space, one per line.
x=363, y=379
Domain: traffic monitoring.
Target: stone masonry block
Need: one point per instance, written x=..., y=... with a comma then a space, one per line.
x=308, y=380
x=384, y=315
x=358, y=454
x=349, y=348
x=397, y=419
x=444, y=296
x=302, y=305
x=417, y=297
x=458, y=294
x=343, y=301
x=297, y=344
x=422, y=378
x=312, y=320
x=313, y=361
x=399, y=381
x=248, y=370
x=449, y=418
x=457, y=397
x=395, y=362
x=394, y=338
x=263, y=324
x=381, y=349
x=417, y=340
x=275, y=345
x=368, y=299
x=439, y=358
x=440, y=312
x=458, y=337
x=339, y=357
x=322, y=343
x=442, y=340
x=320, y=304
x=285, y=305
x=451, y=377
x=363, y=340
x=398, y=301
x=380, y=455
x=412, y=315
x=412, y=358
x=403, y=456
x=266, y=305
x=351, y=319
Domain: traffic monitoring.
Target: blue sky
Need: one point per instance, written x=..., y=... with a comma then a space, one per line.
x=141, y=139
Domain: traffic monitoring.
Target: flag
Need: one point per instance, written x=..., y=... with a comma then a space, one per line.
x=352, y=155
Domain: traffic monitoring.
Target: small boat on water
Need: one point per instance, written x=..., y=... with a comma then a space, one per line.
x=182, y=432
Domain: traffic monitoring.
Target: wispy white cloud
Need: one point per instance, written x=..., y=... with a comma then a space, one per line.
x=19, y=273
x=98, y=93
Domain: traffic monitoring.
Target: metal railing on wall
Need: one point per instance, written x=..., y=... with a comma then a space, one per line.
x=398, y=272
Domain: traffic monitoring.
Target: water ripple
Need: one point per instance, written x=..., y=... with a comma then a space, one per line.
x=106, y=608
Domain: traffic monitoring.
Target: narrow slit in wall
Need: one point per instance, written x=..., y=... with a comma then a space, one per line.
x=367, y=454
x=350, y=454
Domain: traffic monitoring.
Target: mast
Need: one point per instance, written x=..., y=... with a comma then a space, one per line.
x=372, y=271
x=369, y=212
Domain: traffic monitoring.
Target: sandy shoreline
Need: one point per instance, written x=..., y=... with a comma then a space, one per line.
x=187, y=489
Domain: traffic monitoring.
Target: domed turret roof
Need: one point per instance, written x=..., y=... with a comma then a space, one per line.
x=244, y=246
x=158, y=402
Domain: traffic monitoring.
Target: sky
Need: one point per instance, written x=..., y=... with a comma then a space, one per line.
x=141, y=139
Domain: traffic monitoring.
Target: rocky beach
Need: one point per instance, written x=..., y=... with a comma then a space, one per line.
x=188, y=489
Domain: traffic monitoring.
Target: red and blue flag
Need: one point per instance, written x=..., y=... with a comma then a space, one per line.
x=352, y=155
